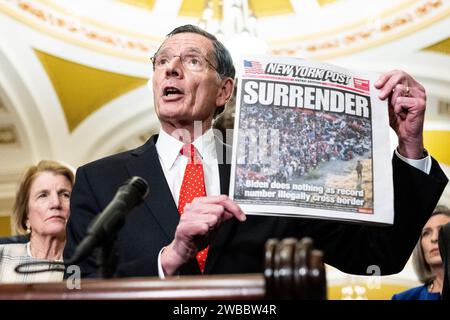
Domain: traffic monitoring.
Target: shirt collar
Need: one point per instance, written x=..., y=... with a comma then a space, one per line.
x=169, y=148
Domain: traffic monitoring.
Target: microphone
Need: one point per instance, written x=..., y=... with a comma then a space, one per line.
x=130, y=194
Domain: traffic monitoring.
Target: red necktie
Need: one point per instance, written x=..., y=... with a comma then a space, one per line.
x=193, y=186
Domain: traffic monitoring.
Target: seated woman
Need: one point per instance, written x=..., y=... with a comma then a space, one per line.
x=41, y=210
x=427, y=260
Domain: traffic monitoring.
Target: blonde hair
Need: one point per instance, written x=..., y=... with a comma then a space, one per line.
x=421, y=267
x=20, y=210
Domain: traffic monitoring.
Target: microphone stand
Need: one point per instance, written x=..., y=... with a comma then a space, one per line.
x=108, y=257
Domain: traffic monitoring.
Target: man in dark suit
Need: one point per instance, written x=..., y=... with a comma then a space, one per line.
x=193, y=79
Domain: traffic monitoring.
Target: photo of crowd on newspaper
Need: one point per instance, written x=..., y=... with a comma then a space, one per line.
x=289, y=156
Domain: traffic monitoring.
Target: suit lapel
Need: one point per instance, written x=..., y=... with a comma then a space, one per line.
x=160, y=201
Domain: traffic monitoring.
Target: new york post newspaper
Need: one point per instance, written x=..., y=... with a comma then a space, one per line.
x=311, y=140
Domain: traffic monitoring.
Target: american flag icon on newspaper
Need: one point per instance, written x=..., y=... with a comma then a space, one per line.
x=253, y=67
x=361, y=84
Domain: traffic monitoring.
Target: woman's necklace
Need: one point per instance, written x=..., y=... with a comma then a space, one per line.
x=28, y=246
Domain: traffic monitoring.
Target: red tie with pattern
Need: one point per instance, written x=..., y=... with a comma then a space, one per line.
x=193, y=186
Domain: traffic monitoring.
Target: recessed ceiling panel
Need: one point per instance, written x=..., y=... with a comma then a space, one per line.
x=81, y=89
x=440, y=47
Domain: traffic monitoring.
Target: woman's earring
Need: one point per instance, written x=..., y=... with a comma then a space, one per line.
x=28, y=228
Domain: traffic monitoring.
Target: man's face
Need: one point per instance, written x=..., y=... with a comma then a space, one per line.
x=182, y=95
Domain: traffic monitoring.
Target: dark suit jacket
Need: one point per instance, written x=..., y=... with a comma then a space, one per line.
x=239, y=247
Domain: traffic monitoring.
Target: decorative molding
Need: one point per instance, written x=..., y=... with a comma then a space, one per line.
x=71, y=29
x=8, y=135
x=399, y=21
x=260, y=8
x=444, y=108
x=8, y=184
x=398, y=24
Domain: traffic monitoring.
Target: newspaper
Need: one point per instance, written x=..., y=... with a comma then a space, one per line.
x=311, y=140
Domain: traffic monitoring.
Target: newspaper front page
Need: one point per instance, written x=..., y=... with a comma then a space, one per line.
x=311, y=140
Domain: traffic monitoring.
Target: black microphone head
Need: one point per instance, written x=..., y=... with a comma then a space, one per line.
x=139, y=184
x=111, y=219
